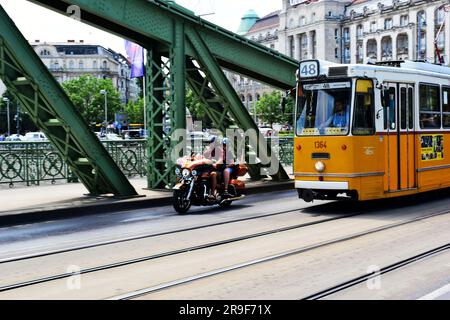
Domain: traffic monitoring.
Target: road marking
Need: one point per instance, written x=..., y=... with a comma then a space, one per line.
x=436, y=294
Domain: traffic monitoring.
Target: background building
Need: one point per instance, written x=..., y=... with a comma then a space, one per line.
x=71, y=60
x=345, y=31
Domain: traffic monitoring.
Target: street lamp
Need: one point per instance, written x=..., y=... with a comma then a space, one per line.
x=17, y=118
x=7, y=114
x=105, y=93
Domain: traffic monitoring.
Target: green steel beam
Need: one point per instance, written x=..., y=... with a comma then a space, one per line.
x=29, y=80
x=144, y=21
x=235, y=107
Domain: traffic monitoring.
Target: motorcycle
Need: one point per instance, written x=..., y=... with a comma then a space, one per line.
x=193, y=186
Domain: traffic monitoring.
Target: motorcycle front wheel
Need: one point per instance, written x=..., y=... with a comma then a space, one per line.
x=180, y=203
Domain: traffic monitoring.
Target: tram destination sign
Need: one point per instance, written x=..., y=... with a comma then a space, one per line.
x=309, y=69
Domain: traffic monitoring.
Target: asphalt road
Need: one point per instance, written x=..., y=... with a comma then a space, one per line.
x=292, y=277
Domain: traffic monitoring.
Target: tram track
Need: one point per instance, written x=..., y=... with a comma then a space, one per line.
x=363, y=278
x=147, y=236
x=168, y=253
x=220, y=271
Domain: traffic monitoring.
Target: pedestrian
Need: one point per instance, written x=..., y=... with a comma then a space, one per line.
x=2, y=137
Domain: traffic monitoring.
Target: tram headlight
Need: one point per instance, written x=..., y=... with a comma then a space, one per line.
x=178, y=172
x=320, y=166
x=186, y=173
x=194, y=172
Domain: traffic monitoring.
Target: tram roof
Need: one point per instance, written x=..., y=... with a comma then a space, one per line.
x=408, y=67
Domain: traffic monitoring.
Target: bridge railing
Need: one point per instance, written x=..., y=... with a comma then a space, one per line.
x=34, y=163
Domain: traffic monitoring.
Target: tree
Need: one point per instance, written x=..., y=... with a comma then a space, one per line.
x=268, y=108
x=197, y=109
x=135, y=111
x=85, y=94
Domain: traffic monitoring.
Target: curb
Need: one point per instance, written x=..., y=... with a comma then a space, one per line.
x=35, y=216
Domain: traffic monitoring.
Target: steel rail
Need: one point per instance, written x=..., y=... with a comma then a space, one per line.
x=174, y=252
x=165, y=286
x=355, y=281
x=141, y=237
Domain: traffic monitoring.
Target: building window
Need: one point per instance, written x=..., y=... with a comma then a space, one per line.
x=346, y=35
x=404, y=20
x=105, y=64
x=313, y=17
x=94, y=64
x=386, y=48
x=71, y=64
x=81, y=64
x=373, y=26
x=387, y=24
x=359, y=32
x=439, y=16
x=45, y=52
x=302, y=21
x=372, y=49
x=430, y=106
x=359, y=54
x=402, y=46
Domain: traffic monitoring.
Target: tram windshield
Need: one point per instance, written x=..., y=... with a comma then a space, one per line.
x=324, y=109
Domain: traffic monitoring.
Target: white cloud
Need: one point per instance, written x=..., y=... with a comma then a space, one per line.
x=37, y=23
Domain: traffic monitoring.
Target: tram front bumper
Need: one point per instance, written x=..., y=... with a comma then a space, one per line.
x=321, y=185
x=325, y=190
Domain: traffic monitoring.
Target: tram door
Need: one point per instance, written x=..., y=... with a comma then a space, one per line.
x=399, y=121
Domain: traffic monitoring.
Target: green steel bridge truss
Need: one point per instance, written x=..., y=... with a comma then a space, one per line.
x=183, y=49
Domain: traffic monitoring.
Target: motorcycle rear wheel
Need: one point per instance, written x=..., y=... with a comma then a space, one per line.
x=181, y=205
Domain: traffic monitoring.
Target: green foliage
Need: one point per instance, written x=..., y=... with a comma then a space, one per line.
x=269, y=109
x=135, y=111
x=197, y=109
x=85, y=94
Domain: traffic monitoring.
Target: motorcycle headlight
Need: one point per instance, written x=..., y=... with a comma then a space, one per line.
x=194, y=172
x=186, y=173
x=178, y=171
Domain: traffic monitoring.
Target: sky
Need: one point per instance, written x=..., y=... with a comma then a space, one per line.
x=37, y=23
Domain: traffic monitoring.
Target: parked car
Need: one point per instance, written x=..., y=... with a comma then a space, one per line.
x=35, y=137
x=15, y=138
x=134, y=134
x=268, y=131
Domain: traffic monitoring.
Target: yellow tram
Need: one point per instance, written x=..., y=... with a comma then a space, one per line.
x=371, y=131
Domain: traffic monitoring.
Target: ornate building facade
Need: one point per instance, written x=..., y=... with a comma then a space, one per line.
x=71, y=60
x=345, y=31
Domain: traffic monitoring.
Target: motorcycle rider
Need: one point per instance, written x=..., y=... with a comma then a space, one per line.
x=225, y=164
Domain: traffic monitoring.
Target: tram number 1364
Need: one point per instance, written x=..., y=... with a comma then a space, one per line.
x=320, y=144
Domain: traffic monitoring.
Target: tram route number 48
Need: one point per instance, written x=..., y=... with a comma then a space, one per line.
x=309, y=69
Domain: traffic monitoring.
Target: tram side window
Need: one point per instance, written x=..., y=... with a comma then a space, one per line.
x=446, y=106
x=390, y=117
x=364, y=119
x=430, y=106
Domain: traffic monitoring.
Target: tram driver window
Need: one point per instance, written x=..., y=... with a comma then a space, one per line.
x=364, y=119
x=446, y=107
x=430, y=107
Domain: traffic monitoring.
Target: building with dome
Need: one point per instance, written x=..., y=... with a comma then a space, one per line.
x=350, y=31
